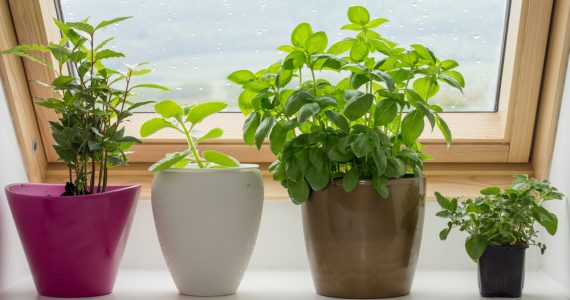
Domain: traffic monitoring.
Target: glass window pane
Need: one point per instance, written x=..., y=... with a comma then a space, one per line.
x=195, y=44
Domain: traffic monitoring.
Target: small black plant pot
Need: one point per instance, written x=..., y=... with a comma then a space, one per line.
x=501, y=271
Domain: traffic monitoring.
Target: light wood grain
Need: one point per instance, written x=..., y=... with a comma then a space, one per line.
x=464, y=180
x=33, y=20
x=19, y=101
x=526, y=74
x=552, y=89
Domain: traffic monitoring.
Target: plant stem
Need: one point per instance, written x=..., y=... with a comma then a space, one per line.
x=192, y=145
x=314, y=81
x=401, y=112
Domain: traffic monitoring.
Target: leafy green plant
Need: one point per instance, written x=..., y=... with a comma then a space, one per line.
x=183, y=119
x=501, y=218
x=365, y=126
x=91, y=100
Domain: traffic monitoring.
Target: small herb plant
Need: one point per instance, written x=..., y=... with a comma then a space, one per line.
x=501, y=218
x=184, y=119
x=365, y=126
x=92, y=102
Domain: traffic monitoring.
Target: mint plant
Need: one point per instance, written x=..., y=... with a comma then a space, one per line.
x=364, y=127
x=501, y=218
x=92, y=102
x=183, y=119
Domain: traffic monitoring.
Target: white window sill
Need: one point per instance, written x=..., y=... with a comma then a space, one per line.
x=298, y=285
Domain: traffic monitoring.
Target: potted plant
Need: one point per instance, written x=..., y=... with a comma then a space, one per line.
x=348, y=151
x=501, y=226
x=74, y=234
x=206, y=206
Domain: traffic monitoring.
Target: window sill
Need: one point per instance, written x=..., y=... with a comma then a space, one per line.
x=276, y=285
x=458, y=179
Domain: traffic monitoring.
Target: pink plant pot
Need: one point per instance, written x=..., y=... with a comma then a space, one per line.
x=73, y=244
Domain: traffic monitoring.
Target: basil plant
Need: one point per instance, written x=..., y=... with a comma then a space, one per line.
x=92, y=102
x=364, y=126
x=502, y=217
x=184, y=120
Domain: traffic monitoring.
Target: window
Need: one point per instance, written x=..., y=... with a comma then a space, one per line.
x=194, y=45
x=492, y=136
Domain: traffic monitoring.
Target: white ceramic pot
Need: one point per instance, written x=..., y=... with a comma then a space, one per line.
x=207, y=222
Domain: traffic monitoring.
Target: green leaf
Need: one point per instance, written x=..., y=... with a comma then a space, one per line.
x=444, y=234
x=81, y=26
x=286, y=48
x=385, y=112
x=376, y=22
x=316, y=43
x=153, y=125
x=299, y=191
x=277, y=137
x=358, y=15
x=457, y=76
x=354, y=27
x=241, y=77
x=300, y=34
x=257, y=85
x=449, y=64
x=60, y=53
x=168, y=109
x=297, y=100
x=220, y=158
x=307, y=111
x=283, y=77
x=263, y=130
x=359, y=51
x=200, y=111
x=426, y=87
x=444, y=130
x=381, y=76
x=106, y=53
x=491, y=191
x=151, y=86
x=169, y=161
x=443, y=201
x=294, y=60
x=395, y=168
x=339, y=120
x=412, y=127
x=245, y=101
x=350, y=180
x=381, y=186
x=110, y=22
x=381, y=46
x=424, y=52
x=545, y=218
x=214, y=133
x=451, y=81
x=355, y=68
x=358, y=105
x=250, y=127
x=475, y=246
x=380, y=160
x=361, y=145
x=341, y=46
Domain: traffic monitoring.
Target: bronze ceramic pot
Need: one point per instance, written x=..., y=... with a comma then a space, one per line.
x=360, y=245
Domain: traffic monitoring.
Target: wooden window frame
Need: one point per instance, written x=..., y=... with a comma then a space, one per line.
x=488, y=148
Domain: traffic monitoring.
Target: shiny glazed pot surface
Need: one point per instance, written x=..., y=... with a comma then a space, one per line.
x=360, y=245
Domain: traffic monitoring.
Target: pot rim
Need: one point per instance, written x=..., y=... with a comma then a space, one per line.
x=241, y=168
x=117, y=188
x=508, y=246
x=396, y=181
